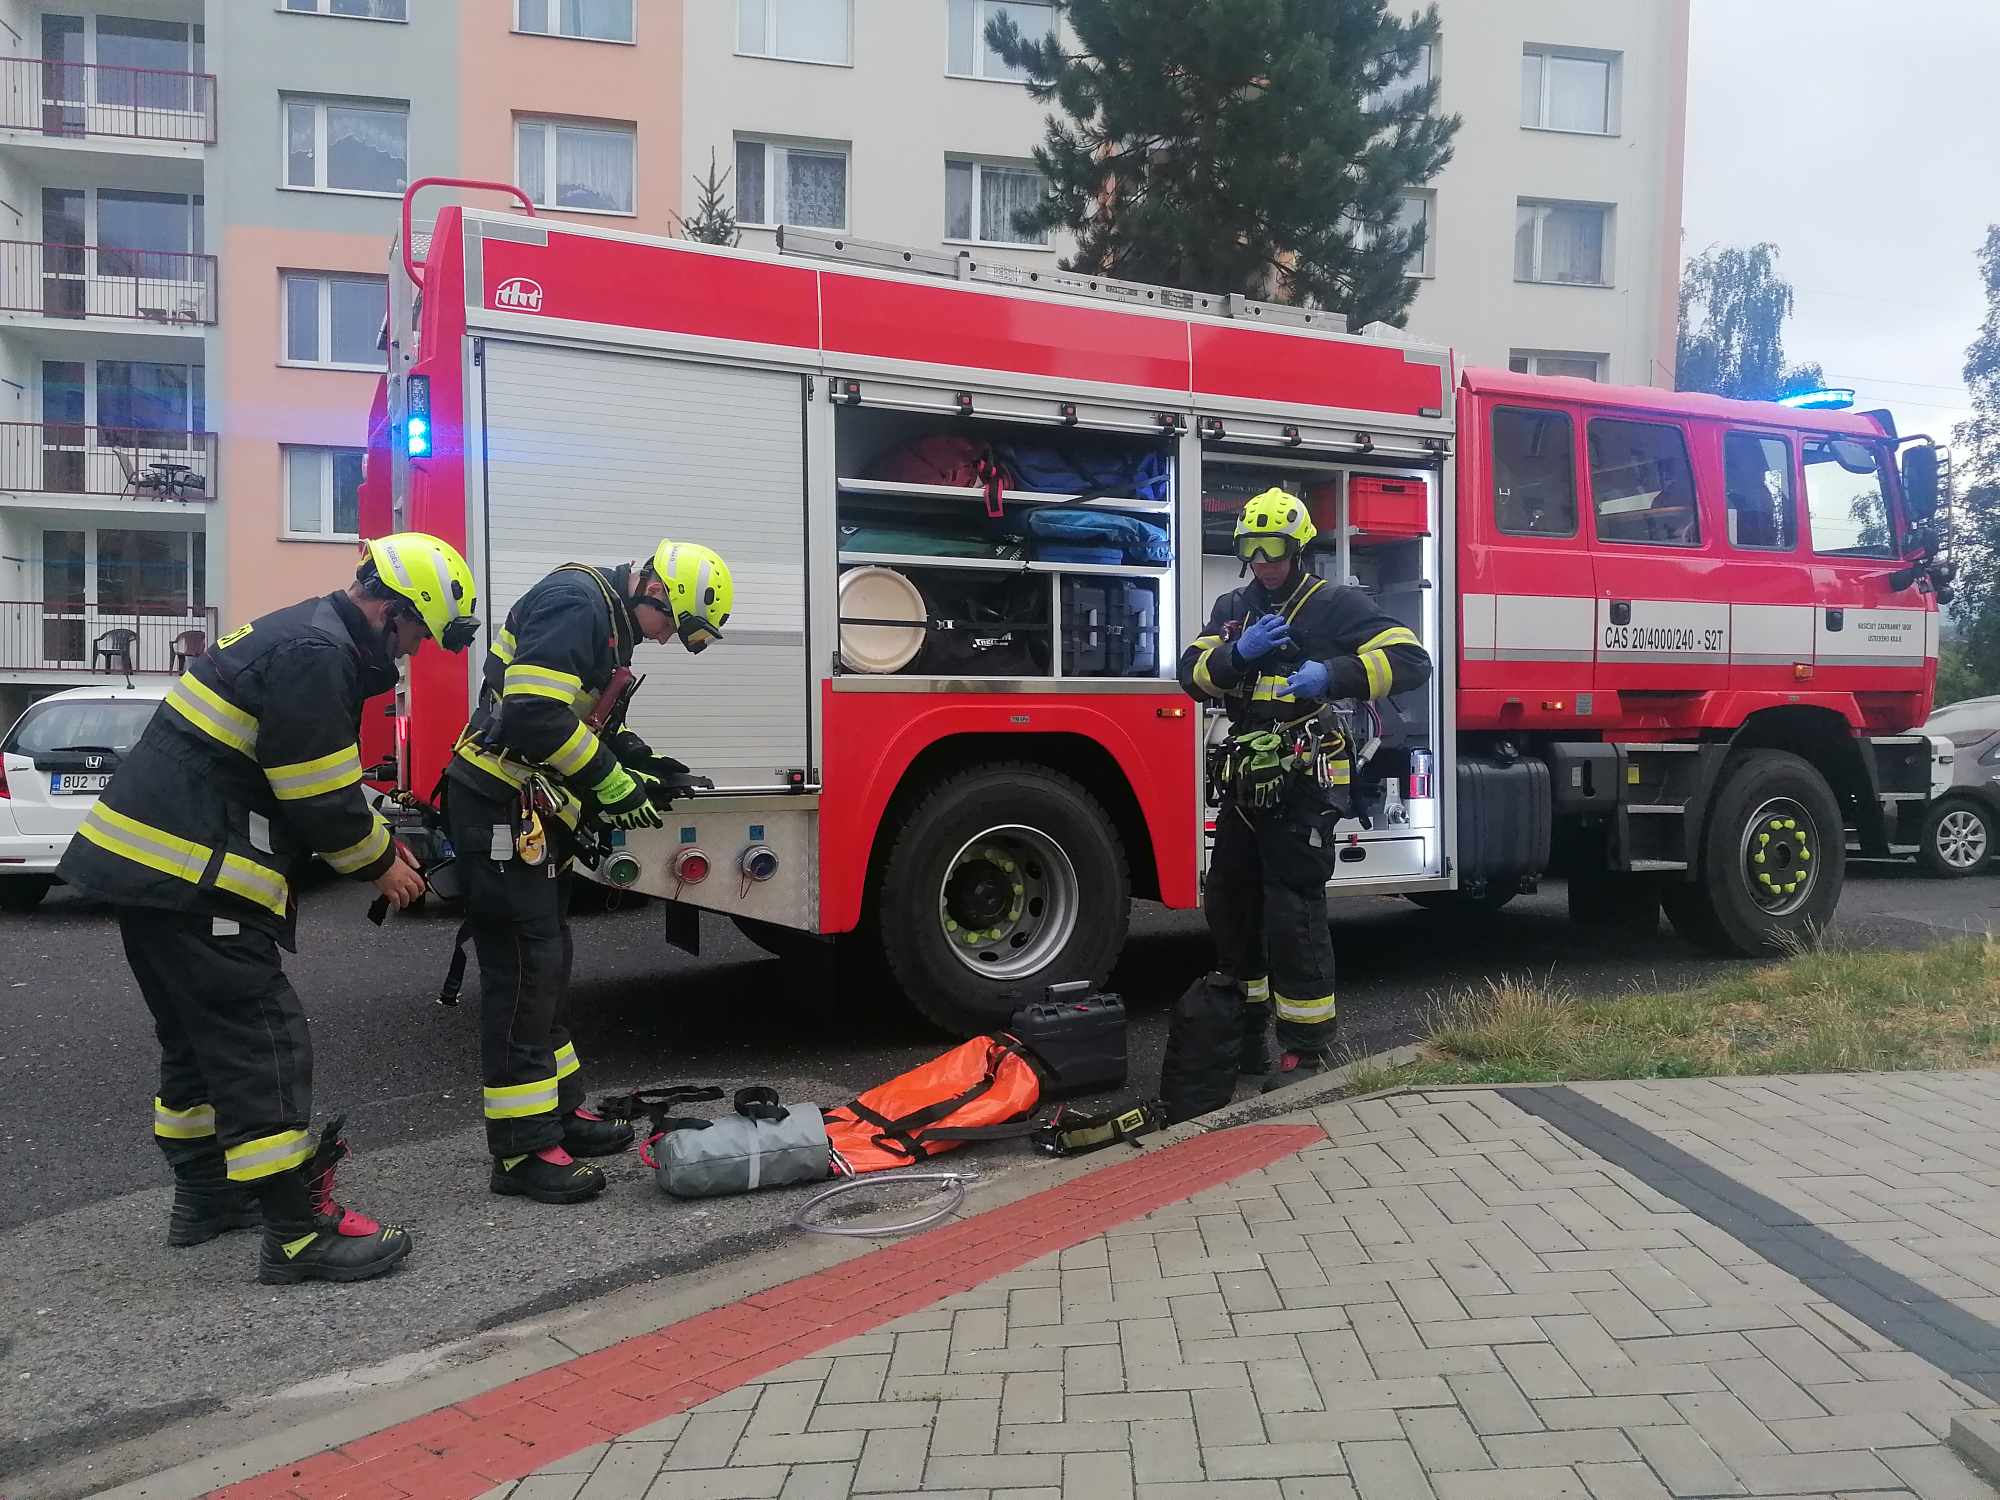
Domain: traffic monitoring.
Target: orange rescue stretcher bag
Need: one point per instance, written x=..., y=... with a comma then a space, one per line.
x=984, y=1090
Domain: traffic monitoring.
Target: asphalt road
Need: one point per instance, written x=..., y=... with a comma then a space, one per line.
x=105, y=1332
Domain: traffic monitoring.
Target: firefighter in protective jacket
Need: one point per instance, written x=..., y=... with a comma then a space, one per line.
x=525, y=772
x=251, y=766
x=1275, y=653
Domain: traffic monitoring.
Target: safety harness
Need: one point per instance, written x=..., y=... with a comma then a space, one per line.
x=1077, y=1132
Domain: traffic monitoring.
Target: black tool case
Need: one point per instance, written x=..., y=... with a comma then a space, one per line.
x=1078, y=1036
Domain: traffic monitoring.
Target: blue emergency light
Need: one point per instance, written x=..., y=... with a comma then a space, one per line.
x=417, y=418
x=1830, y=399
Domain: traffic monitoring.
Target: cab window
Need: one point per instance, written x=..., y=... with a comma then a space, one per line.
x=1847, y=499
x=1757, y=483
x=1642, y=484
x=1534, y=473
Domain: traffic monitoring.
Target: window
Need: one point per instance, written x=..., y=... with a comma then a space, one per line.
x=347, y=147
x=1418, y=77
x=783, y=184
x=1419, y=212
x=162, y=56
x=1556, y=362
x=1757, y=486
x=587, y=168
x=140, y=402
x=967, y=53
x=116, y=722
x=981, y=201
x=1534, y=473
x=334, y=320
x=1568, y=244
x=818, y=31
x=587, y=20
x=142, y=571
x=366, y=10
x=322, y=492
x=1642, y=484
x=1575, y=91
x=1844, y=494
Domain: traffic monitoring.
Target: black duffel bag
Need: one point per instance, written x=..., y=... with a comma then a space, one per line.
x=1198, y=1073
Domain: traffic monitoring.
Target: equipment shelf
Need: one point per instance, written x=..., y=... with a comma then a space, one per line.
x=1004, y=565
x=900, y=489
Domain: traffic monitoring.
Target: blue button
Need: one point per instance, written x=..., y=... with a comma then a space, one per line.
x=687, y=835
x=756, y=833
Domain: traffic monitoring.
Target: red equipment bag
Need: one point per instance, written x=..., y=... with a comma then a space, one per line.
x=980, y=1091
x=946, y=458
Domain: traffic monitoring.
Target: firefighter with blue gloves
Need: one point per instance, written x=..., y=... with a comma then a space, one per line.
x=1274, y=654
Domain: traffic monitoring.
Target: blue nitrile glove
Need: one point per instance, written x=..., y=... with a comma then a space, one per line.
x=1265, y=634
x=1309, y=681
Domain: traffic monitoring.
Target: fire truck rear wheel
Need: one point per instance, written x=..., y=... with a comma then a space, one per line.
x=1002, y=880
x=1773, y=855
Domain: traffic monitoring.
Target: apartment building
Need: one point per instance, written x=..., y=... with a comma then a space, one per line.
x=1553, y=235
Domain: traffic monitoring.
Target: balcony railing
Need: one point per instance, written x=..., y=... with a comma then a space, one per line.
x=84, y=100
x=57, y=280
x=100, y=638
x=126, y=463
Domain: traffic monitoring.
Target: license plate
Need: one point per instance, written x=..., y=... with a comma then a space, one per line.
x=69, y=783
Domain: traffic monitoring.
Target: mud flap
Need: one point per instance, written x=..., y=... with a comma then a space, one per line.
x=683, y=927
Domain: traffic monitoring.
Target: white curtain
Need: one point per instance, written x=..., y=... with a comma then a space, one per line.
x=816, y=189
x=1578, y=94
x=750, y=156
x=367, y=148
x=594, y=169
x=1002, y=194
x=1573, y=245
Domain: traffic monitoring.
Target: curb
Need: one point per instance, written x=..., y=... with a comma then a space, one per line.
x=1975, y=1437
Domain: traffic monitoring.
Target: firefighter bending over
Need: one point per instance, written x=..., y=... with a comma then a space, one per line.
x=251, y=766
x=525, y=772
x=1275, y=653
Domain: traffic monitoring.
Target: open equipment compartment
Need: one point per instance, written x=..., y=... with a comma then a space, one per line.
x=946, y=501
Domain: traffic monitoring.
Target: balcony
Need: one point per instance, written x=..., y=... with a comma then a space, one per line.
x=97, y=639
x=106, y=463
x=65, y=101
x=78, y=283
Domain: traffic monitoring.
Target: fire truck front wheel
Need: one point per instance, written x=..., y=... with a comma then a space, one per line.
x=1773, y=856
x=1004, y=879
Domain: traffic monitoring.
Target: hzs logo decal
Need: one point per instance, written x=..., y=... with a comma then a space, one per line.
x=518, y=294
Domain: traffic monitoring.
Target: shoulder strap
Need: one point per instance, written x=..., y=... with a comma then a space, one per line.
x=620, y=621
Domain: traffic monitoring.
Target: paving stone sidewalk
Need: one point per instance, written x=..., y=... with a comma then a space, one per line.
x=1770, y=1287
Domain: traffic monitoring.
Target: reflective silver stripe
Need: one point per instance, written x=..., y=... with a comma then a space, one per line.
x=311, y=778
x=253, y=882
x=183, y=1124
x=171, y=856
x=1310, y=1012
x=360, y=854
x=272, y=1153
x=516, y=1101
x=395, y=557
x=211, y=720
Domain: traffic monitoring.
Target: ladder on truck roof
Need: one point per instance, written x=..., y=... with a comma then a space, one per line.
x=822, y=244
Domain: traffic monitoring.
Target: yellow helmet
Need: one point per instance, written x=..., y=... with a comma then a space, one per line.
x=429, y=573
x=700, y=591
x=1274, y=525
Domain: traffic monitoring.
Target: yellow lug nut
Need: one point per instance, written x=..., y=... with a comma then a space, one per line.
x=1757, y=858
x=1805, y=854
x=1764, y=879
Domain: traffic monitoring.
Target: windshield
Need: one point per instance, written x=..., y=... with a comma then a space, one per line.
x=113, y=724
x=1848, y=499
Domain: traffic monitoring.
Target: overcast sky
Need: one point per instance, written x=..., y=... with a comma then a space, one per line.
x=1863, y=138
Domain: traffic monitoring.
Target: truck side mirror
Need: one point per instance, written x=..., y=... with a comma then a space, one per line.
x=1920, y=481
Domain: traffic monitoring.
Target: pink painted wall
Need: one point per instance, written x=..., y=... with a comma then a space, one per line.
x=263, y=403
x=504, y=74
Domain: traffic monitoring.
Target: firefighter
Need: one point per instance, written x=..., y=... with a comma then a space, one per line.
x=523, y=775
x=250, y=766
x=1274, y=654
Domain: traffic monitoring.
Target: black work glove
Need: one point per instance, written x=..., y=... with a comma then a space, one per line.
x=629, y=748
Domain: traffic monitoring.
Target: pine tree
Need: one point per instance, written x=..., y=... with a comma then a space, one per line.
x=1976, y=610
x=713, y=221
x=1263, y=147
x=1732, y=329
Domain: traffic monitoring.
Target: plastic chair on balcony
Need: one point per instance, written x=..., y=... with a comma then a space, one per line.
x=114, y=647
x=186, y=646
x=139, y=483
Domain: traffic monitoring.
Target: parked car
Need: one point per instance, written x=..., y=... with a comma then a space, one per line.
x=1962, y=824
x=53, y=763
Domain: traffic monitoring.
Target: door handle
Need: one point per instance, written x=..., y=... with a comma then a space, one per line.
x=1836, y=619
x=1621, y=611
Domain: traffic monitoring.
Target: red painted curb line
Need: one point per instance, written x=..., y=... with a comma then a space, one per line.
x=459, y=1452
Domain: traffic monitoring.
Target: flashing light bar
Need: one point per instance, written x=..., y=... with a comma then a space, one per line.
x=417, y=422
x=1831, y=399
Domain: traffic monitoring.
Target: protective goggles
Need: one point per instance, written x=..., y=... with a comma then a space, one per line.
x=1271, y=548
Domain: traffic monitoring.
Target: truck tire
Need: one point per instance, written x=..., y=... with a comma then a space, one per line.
x=1002, y=880
x=1957, y=837
x=23, y=892
x=1773, y=855
x=1615, y=901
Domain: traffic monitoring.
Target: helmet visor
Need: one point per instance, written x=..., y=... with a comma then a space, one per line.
x=696, y=633
x=1251, y=547
x=458, y=633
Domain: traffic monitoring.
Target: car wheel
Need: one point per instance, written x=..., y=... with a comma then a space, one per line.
x=1957, y=838
x=23, y=892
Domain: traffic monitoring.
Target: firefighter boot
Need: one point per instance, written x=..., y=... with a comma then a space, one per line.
x=1298, y=1065
x=309, y=1237
x=547, y=1176
x=206, y=1202
x=1254, y=1056
x=588, y=1134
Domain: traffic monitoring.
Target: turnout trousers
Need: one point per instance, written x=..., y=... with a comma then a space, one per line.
x=519, y=917
x=1265, y=900
x=235, y=1054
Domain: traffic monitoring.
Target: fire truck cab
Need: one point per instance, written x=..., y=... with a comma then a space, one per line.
x=1679, y=641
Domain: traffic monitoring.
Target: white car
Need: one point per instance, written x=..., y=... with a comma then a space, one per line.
x=53, y=763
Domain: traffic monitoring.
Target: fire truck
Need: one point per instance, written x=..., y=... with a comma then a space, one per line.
x=1680, y=641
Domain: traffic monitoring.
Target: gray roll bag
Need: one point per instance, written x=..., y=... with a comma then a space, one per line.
x=763, y=1145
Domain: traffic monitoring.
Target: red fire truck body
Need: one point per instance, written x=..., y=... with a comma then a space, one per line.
x=1643, y=664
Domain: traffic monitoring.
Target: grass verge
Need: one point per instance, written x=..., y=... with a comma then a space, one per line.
x=1823, y=1011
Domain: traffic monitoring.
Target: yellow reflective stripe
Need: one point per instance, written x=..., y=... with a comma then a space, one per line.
x=1272, y=690
x=574, y=753
x=1208, y=644
x=1299, y=603
x=504, y=646
x=268, y=1155
x=191, y=1124
x=510, y=771
x=211, y=713
x=254, y=883
x=362, y=853
x=1396, y=635
x=1305, y=1012
x=523, y=679
x=1380, y=677
x=517, y=1101
x=314, y=778
x=142, y=844
x=1256, y=991
x=566, y=1062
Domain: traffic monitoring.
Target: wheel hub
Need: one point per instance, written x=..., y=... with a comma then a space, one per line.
x=1961, y=839
x=1780, y=845
x=1008, y=902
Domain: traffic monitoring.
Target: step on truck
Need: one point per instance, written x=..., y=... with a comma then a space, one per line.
x=1680, y=641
